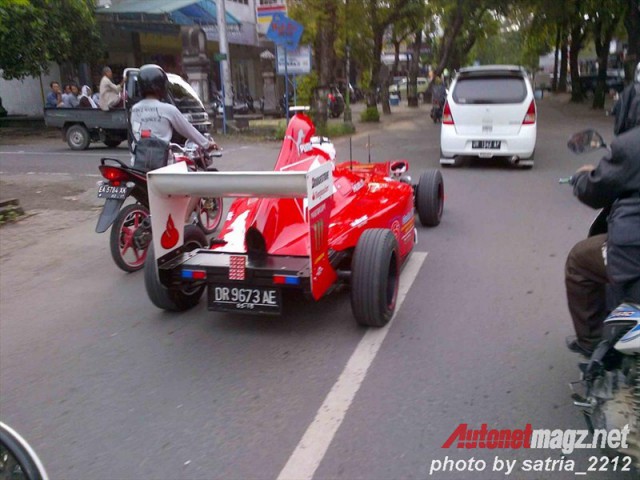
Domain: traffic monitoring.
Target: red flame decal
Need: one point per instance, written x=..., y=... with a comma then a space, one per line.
x=170, y=236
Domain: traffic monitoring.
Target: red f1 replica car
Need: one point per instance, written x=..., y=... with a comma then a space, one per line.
x=310, y=225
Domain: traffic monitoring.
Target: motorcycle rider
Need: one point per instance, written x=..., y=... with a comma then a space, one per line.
x=153, y=118
x=613, y=184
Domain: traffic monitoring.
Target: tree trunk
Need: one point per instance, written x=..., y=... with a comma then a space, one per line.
x=449, y=36
x=564, y=53
x=326, y=40
x=602, y=39
x=396, y=58
x=554, y=81
x=414, y=67
x=632, y=25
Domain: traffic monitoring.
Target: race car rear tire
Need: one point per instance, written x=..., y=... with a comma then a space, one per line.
x=430, y=198
x=375, y=274
x=174, y=299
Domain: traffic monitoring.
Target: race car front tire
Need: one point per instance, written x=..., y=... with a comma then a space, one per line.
x=430, y=198
x=375, y=274
x=174, y=299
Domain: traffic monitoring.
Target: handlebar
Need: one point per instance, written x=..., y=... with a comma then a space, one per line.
x=565, y=180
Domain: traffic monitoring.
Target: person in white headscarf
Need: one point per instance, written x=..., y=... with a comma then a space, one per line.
x=85, y=98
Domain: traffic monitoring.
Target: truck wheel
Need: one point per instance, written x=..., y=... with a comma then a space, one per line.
x=78, y=137
x=174, y=298
x=430, y=198
x=375, y=274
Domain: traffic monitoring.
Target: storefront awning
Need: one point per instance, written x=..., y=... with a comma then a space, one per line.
x=178, y=12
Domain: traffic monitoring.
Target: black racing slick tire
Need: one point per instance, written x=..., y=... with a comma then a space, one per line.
x=174, y=298
x=430, y=198
x=78, y=137
x=375, y=275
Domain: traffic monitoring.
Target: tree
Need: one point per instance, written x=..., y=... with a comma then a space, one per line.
x=605, y=18
x=34, y=33
x=632, y=25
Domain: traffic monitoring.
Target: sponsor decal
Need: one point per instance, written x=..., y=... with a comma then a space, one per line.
x=395, y=228
x=357, y=186
x=359, y=221
x=170, y=236
x=631, y=335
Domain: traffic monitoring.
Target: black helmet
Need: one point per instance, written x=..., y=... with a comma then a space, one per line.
x=152, y=81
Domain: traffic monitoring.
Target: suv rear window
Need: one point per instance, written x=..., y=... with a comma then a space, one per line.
x=490, y=89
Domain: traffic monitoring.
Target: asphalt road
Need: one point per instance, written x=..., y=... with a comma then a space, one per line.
x=105, y=386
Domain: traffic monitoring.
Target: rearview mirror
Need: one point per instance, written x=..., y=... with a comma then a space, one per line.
x=585, y=141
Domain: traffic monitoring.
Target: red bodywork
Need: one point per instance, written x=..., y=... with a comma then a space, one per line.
x=364, y=197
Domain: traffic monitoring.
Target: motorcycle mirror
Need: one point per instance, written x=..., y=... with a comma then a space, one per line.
x=585, y=141
x=17, y=458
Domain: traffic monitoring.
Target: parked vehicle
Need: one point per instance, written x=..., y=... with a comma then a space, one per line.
x=309, y=226
x=608, y=391
x=130, y=226
x=614, y=81
x=82, y=126
x=490, y=112
x=400, y=88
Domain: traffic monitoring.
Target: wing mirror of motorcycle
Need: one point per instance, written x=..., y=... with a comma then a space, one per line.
x=585, y=141
x=17, y=458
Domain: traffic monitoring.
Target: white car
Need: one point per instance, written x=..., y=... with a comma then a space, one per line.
x=490, y=112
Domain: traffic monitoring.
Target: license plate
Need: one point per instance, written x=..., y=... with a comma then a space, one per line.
x=109, y=191
x=486, y=144
x=244, y=299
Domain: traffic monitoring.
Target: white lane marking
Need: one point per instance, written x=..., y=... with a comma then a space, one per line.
x=308, y=454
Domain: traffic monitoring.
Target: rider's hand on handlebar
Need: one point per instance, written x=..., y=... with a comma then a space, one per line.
x=212, y=146
x=586, y=168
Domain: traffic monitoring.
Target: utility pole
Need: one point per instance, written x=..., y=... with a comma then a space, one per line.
x=225, y=64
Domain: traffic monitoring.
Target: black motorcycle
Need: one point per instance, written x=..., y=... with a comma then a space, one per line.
x=609, y=389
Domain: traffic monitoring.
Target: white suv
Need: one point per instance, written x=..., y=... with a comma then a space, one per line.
x=490, y=112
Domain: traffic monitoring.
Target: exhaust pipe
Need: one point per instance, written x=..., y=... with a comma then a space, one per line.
x=515, y=160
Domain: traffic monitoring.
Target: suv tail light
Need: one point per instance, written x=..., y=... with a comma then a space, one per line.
x=447, y=118
x=530, y=117
x=113, y=174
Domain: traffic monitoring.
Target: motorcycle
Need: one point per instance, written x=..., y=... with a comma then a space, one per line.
x=335, y=103
x=609, y=389
x=130, y=225
x=436, y=113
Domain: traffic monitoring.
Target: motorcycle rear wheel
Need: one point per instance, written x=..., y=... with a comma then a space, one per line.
x=127, y=251
x=209, y=214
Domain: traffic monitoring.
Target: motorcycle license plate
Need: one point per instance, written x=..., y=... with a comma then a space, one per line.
x=245, y=299
x=109, y=191
x=486, y=144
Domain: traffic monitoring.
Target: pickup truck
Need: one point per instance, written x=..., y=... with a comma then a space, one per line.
x=82, y=126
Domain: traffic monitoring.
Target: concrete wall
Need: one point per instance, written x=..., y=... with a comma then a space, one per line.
x=25, y=97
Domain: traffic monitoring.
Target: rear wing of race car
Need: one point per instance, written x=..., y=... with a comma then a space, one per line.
x=172, y=187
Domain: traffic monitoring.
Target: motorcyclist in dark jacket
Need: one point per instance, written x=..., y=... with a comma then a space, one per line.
x=613, y=184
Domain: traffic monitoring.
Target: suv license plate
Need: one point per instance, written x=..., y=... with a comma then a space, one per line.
x=244, y=299
x=486, y=144
x=109, y=191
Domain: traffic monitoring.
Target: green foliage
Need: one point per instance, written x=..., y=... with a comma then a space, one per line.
x=34, y=33
x=305, y=87
x=370, y=114
x=338, y=129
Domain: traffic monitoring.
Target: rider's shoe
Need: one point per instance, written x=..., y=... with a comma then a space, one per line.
x=575, y=346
